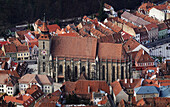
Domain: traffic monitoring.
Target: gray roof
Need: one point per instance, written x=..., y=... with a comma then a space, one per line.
x=134, y=18
x=146, y=90
x=165, y=92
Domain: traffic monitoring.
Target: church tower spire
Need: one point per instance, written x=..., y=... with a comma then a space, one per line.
x=44, y=42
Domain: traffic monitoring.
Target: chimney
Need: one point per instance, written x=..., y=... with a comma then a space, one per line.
x=88, y=89
x=143, y=52
x=125, y=80
x=131, y=80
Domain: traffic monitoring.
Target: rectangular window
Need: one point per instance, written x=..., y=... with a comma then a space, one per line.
x=18, y=54
x=43, y=45
x=43, y=66
x=43, y=57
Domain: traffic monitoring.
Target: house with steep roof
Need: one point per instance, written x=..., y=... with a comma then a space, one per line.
x=133, y=46
x=32, y=43
x=128, y=17
x=128, y=85
x=20, y=35
x=146, y=92
x=16, y=50
x=154, y=102
x=44, y=82
x=144, y=7
x=158, y=12
x=162, y=30
x=35, y=92
x=85, y=89
x=21, y=100
x=152, y=30
x=8, y=84
x=117, y=92
x=50, y=100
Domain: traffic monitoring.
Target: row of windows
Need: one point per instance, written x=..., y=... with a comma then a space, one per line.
x=2, y=90
x=9, y=92
x=144, y=64
x=47, y=91
x=22, y=85
x=9, y=88
x=46, y=87
x=23, y=54
x=1, y=86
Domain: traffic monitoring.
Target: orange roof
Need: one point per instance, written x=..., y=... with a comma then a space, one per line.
x=25, y=100
x=105, y=31
x=53, y=27
x=96, y=33
x=161, y=7
x=44, y=27
x=146, y=6
x=114, y=27
x=135, y=83
x=69, y=34
x=141, y=102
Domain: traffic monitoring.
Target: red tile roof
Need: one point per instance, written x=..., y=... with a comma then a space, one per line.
x=116, y=87
x=83, y=33
x=25, y=100
x=130, y=45
x=151, y=26
x=111, y=51
x=114, y=27
x=164, y=82
x=21, y=34
x=4, y=43
x=105, y=31
x=161, y=7
x=146, y=6
x=126, y=36
x=74, y=47
x=142, y=57
x=44, y=27
x=154, y=102
x=162, y=26
x=53, y=27
x=135, y=83
x=10, y=48
x=97, y=33
x=80, y=87
x=69, y=35
x=1, y=53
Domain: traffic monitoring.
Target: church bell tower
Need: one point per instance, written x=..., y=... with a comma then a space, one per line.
x=44, y=42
